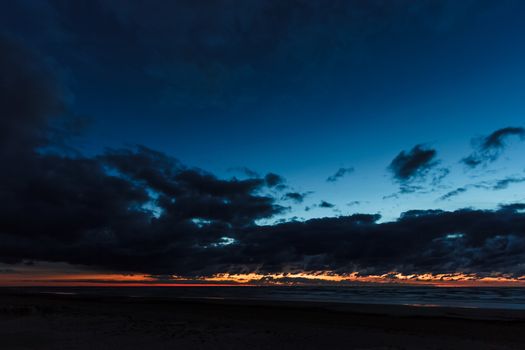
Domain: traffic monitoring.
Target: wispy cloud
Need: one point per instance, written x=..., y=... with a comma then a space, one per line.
x=494, y=185
x=341, y=172
x=490, y=148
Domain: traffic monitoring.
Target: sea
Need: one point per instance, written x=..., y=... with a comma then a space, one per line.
x=424, y=296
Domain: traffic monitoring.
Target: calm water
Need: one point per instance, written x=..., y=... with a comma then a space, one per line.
x=493, y=297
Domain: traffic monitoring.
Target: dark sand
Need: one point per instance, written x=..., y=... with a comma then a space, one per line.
x=73, y=322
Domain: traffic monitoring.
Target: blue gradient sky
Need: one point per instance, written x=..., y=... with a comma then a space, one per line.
x=300, y=90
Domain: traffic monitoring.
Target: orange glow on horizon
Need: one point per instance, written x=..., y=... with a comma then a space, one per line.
x=81, y=279
x=438, y=280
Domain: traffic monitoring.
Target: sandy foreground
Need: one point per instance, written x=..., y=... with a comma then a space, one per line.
x=74, y=322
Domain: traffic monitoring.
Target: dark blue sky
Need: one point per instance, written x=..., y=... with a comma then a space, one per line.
x=299, y=88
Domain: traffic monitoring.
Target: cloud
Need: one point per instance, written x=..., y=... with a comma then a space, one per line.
x=416, y=169
x=274, y=180
x=477, y=241
x=416, y=163
x=453, y=193
x=495, y=185
x=297, y=197
x=325, y=204
x=514, y=207
x=490, y=148
x=504, y=183
x=339, y=174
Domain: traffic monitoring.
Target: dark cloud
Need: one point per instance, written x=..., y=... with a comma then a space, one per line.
x=453, y=193
x=297, y=197
x=514, y=207
x=325, y=204
x=416, y=169
x=490, y=148
x=472, y=241
x=504, y=183
x=466, y=240
x=413, y=164
x=339, y=174
x=497, y=138
x=273, y=180
x=494, y=185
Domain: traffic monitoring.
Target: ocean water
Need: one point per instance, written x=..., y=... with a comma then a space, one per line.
x=466, y=297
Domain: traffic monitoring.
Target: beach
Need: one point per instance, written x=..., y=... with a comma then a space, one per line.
x=51, y=321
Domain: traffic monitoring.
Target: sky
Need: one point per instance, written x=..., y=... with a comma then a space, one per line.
x=194, y=139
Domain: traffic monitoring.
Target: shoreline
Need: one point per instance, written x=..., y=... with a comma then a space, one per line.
x=393, y=308
x=32, y=321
